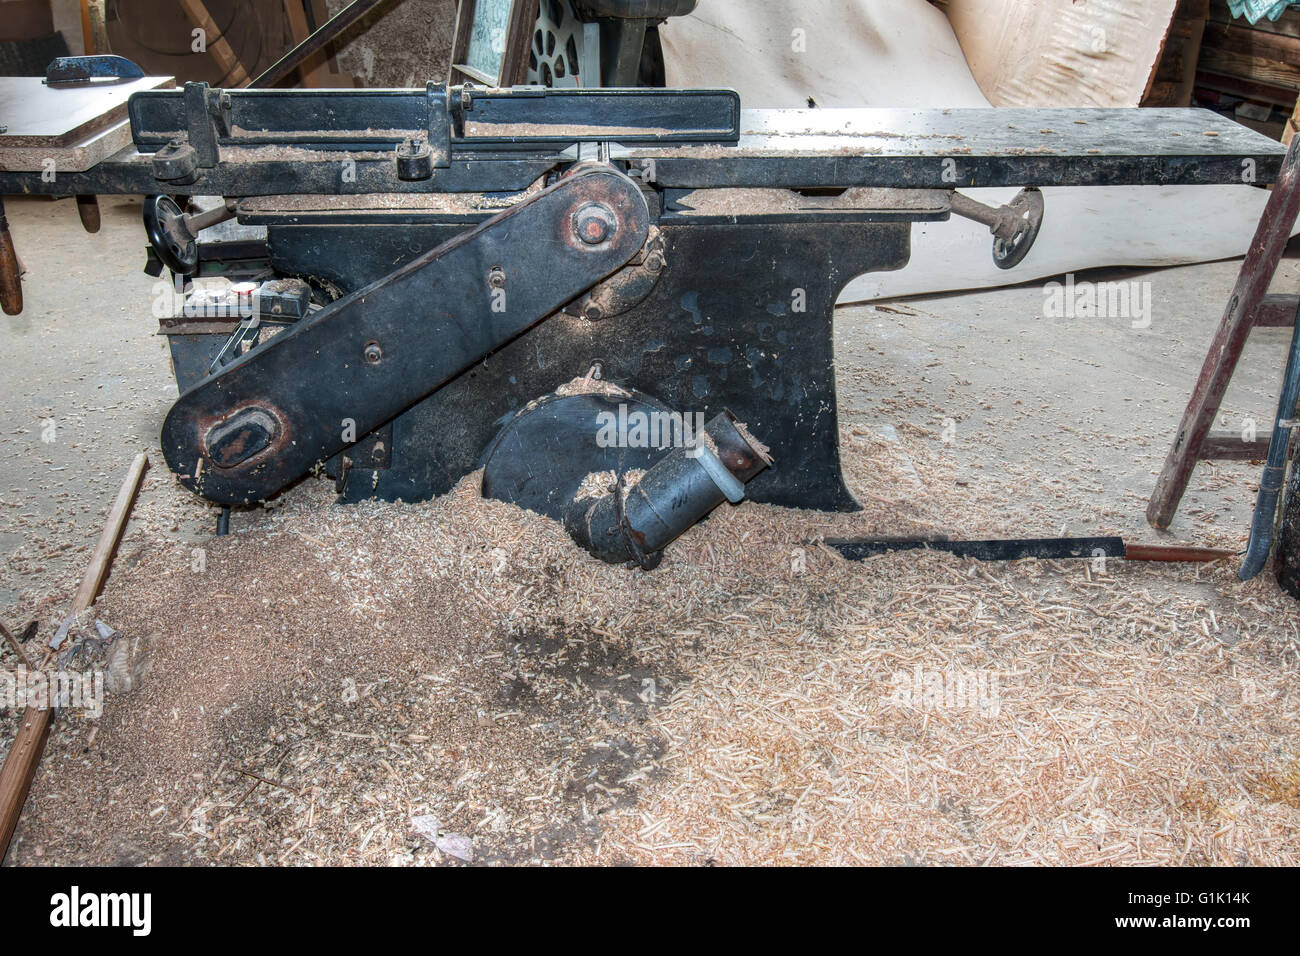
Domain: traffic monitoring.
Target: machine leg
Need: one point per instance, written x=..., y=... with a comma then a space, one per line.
x=1288, y=545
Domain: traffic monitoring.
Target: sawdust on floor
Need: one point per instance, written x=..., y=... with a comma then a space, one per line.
x=326, y=673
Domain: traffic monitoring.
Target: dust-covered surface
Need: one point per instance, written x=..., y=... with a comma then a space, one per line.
x=326, y=674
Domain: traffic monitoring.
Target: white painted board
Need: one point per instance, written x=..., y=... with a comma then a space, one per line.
x=903, y=53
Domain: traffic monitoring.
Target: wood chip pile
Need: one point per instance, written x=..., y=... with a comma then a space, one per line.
x=326, y=674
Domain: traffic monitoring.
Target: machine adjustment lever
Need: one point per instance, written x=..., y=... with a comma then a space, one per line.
x=1014, y=226
x=174, y=235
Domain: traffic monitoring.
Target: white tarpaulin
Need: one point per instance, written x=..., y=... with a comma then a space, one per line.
x=903, y=53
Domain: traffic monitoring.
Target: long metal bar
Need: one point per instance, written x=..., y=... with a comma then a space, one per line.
x=1014, y=549
x=328, y=32
x=1010, y=549
x=542, y=119
x=1270, y=483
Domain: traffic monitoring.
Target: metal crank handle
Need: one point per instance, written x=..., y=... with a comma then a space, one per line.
x=1014, y=226
x=174, y=235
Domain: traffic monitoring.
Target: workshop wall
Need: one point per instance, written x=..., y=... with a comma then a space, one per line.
x=400, y=43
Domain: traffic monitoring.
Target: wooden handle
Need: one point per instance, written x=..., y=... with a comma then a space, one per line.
x=1174, y=553
x=88, y=210
x=19, y=769
x=11, y=281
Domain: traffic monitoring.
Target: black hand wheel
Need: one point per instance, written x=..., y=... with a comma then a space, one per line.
x=1028, y=209
x=175, y=245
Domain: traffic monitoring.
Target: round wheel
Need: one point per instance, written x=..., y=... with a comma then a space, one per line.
x=1028, y=207
x=175, y=245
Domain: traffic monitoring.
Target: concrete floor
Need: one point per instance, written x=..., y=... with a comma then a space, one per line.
x=84, y=354
x=1092, y=400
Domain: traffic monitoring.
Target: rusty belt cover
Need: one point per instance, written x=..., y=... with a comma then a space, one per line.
x=264, y=421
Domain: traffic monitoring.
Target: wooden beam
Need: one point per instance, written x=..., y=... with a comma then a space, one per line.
x=1288, y=23
x=1243, y=40
x=1246, y=88
x=235, y=74
x=1276, y=311
x=20, y=768
x=1224, y=446
x=29, y=743
x=1258, y=68
x=102, y=556
x=299, y=30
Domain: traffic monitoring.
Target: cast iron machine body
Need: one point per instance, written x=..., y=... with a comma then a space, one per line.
x=436, y=263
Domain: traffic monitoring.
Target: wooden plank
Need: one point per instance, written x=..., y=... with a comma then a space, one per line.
x=235, y=73
x=1276, y=312
x=74, y=158
x=102, y=556
x=29, y=743
x=41, y=116
x=1228, y=447
x=1247, y=42
x=1174, y=77
x=1288, y=24
x=24, y=757
x=1246, y=88
x=1218, y=60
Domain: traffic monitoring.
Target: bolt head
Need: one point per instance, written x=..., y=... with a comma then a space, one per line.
x=594, y=223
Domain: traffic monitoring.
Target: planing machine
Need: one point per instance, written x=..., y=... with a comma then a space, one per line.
x=555, y=284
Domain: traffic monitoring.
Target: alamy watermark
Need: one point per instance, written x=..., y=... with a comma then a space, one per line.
x=634, y=428
x=953, y=689
x=1098, y=300
x=44, y=689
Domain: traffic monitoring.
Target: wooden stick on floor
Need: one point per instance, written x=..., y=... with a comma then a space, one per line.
x=34, y=729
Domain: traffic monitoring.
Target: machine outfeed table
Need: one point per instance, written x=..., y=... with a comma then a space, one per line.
x=432, y=280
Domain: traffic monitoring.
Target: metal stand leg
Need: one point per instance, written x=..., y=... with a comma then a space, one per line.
x=1288, y=542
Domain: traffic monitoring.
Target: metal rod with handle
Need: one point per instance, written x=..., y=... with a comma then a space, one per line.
x=1014, y=549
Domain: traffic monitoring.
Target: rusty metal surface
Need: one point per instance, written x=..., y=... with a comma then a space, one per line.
x=248, y=431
